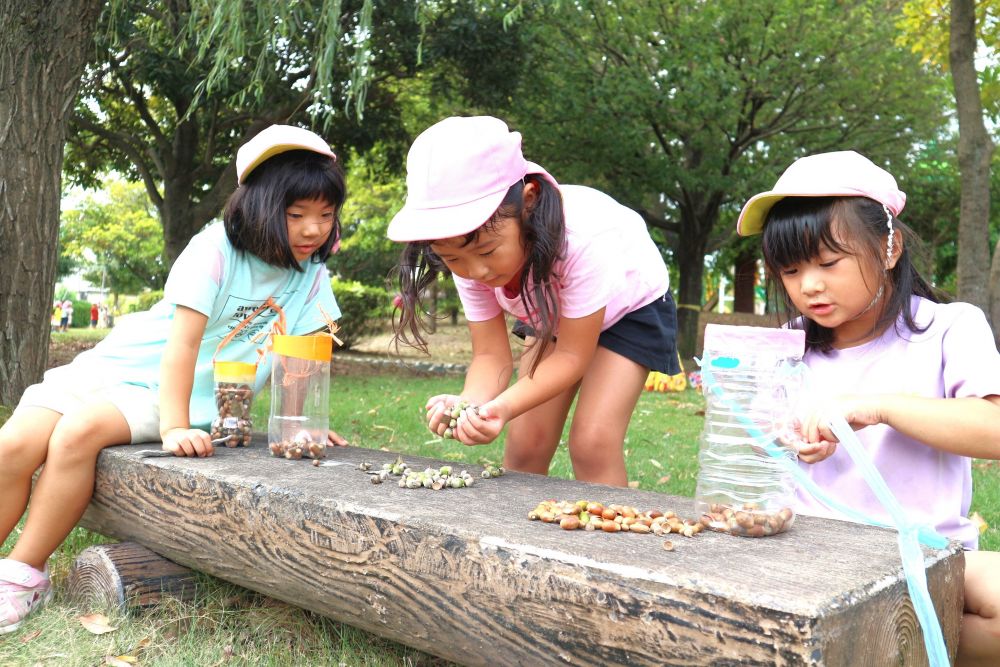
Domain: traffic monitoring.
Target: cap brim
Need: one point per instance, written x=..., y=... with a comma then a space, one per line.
x=445, y=222
x=276, y=150
x=751, y=220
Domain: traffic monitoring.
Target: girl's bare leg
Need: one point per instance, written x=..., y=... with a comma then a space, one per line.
x=979, y=643
x=532, y=437
x=608, y=395
x=24, y=441
x=66, y=484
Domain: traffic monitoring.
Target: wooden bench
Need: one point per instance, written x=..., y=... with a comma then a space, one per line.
x=463, y=574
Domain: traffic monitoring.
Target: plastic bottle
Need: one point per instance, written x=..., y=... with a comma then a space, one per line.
x=234, y=382
x=751, y=379
x=300, y=396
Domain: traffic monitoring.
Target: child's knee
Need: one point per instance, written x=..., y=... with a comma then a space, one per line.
x=80, y=437
x=22, y=448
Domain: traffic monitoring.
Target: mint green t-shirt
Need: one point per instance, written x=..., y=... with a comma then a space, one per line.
x=226, y=285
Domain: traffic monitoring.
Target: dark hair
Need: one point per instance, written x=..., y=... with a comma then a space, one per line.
x=543, y=235
x=797, y=229
x=255, y=213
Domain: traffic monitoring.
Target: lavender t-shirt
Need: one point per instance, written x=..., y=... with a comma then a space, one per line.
x=609, y=262
x=955, y=357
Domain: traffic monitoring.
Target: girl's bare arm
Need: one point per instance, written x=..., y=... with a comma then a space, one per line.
x=176, y=382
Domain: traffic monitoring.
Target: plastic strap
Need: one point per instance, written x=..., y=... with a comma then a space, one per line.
x=909, y=535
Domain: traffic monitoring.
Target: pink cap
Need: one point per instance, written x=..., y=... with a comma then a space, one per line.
x=274, y=140
x=457, y=173
x=837, y=174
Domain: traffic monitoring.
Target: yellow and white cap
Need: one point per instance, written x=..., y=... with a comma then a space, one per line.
x=273, y=141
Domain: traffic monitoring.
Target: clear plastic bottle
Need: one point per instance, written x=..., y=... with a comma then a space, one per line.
x=751, y=380
x=234, y=382
x=300, y=396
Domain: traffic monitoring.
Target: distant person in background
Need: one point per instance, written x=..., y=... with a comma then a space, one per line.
x=56, y=315
x=95, y=313
x=102, y=319
x=67, y=315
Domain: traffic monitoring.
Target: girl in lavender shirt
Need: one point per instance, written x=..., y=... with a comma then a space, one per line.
x=577, y=271
x=917, y=378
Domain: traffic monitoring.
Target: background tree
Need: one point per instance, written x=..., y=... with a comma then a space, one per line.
x=683, y=110
x=151, y=109
x=118, y=242
x=374, y=195
x=43, y=47
x=246, y=47
x=949, y=35
x=975, y=153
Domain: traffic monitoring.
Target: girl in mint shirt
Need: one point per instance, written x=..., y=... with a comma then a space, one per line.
x=151, y=378
x=918, y=379
x=575, y=269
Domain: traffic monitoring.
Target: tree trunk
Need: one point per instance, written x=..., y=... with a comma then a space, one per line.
x=975, y=150
x=994, y=313
x=745, y=281
x=689, y=292
x=43, y=48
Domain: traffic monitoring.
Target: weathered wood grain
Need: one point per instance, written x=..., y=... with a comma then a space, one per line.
x=127, y=574
x=462, y=573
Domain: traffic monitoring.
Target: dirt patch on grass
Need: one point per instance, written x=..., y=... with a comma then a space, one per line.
x=63, y=352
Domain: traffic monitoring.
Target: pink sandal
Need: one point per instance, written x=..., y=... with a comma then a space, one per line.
x=23, y=589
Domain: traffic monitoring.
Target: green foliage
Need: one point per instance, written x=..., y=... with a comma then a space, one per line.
x=684, y=110
x=924, y=29
x=145, y=301
x=374, y=195
x=81, y=314
x=115, y=237
x=363, y=310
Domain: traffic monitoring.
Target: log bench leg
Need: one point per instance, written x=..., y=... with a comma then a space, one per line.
x=127, y=575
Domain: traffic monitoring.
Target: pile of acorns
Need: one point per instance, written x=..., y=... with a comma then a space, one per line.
x=429, y=478
x=456, y=412
x=589, y=515
x=749, y=520
x=299, y=445
x=233, y=402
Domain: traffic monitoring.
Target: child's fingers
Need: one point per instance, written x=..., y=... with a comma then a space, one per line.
x=202, y=443
x=336, y=439
x=476, y=428
x=189, y=442
x=441, y=400
x=816, y=451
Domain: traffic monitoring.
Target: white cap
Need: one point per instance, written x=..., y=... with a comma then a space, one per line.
x=274, y=140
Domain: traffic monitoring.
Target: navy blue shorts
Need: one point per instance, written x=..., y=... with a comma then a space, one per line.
x=647, y=336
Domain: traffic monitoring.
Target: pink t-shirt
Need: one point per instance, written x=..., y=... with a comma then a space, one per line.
x=609, y=262
x=956, y=357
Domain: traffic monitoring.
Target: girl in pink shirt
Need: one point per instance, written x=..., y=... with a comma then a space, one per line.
x=575, y=269
x=919, y=380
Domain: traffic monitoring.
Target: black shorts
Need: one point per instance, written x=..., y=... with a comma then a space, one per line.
x=647, y=336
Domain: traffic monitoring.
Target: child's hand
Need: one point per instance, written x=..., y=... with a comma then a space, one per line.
x=792, y=438
x=482, y=426
x=188, y=442
x=814, y=452
x=333, y=438
x=439, y=411
x=857, y=411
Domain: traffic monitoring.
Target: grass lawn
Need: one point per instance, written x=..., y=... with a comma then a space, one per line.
x=383, y=411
